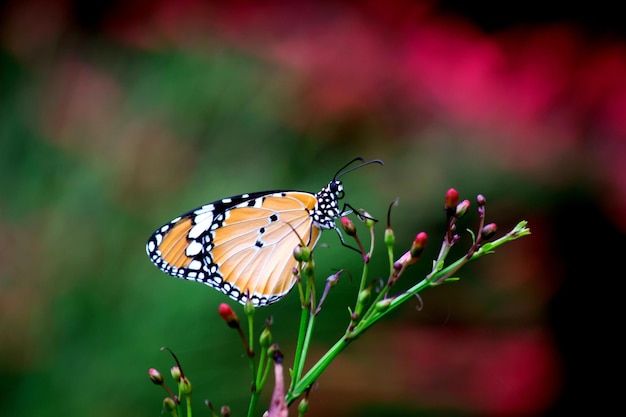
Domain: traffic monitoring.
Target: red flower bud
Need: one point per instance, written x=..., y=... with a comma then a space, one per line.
x=418, y=244
x=229, y=316
x=452, y=199
x=348, y=226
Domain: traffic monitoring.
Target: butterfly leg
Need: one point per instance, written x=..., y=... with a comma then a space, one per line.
x=343, y=242
x=348, y=209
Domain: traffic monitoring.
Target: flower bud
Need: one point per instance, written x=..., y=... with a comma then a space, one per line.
x=274, y=352
x=302, y=253
x=229, y=316
x=383, y=305
x=481, y=200
x=308, y=270
x=303, y=407
x=451, y=201
x=225, y=411
x=367, y=219
x=348, y=226
x=265, y=339
x=461, y=208
x=418, y=244
x=248, y=308
x=169, y=404
x=176, y=373
x=155, y=376
x=364, y=295
x=405, y=259
x=390, y=238
x=184, y=386
x=488, y=231
x=333, y=279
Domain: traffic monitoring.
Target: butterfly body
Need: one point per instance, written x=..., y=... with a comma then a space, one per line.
x=243, y=245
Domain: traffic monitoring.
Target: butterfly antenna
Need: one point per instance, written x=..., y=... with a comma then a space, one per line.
x=344, y=169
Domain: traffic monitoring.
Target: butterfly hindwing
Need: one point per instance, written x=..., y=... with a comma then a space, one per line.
x=241, y=246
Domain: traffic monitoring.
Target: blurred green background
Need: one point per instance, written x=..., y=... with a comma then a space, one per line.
x=117, y=116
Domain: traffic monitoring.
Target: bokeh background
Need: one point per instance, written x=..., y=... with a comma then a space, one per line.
x=117, y=116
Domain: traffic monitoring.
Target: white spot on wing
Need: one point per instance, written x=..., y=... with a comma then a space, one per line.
x=193, y=248
x=202, y=217
x=202, y=224
x=195, y=265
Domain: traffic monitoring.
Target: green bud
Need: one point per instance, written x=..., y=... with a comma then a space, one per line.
x=302, y=253
x=367, y=219
x=265, y=339
x=248, y=308
x=176, y=373
x=303, y=407
x=390, y=237
x=383, y=305
x=308, y=269
x=364, y=295
x=169, y=404
x=184, y=386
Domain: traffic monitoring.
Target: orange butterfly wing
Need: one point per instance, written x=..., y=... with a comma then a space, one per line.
x=242, y=246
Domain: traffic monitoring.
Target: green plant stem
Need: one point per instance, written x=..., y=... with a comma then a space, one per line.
x=189, y=412
x=255, y=390
x=298, y=362
x=305, y=347
x=254, y=399
x=261, y=369
x=431, y=280
x=319, y=367
x=304, y=329
x=266, y=371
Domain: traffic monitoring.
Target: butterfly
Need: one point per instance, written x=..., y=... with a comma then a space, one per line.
x=243, y=245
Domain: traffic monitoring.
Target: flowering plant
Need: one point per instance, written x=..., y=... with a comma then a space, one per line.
x=372, y=302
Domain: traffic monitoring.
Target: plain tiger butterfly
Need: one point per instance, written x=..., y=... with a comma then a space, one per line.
x=243, y=245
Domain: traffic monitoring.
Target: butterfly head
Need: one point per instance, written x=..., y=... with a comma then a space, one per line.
x=327, y=208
